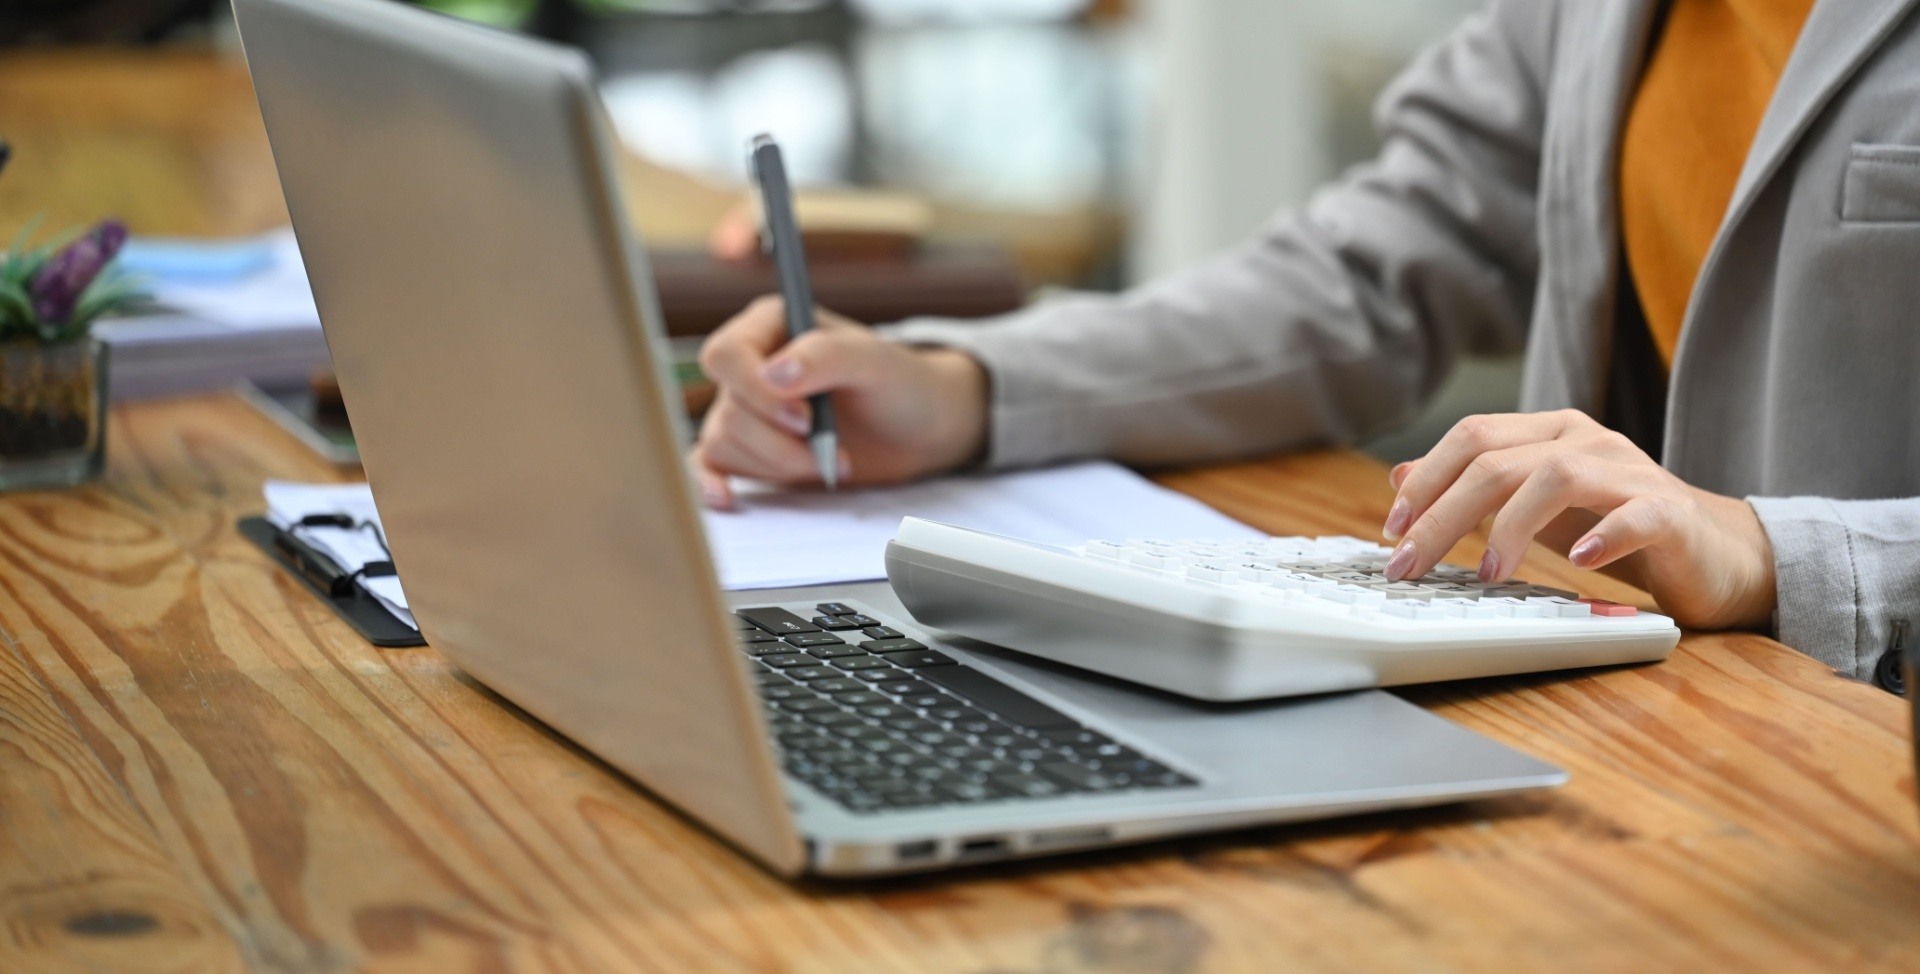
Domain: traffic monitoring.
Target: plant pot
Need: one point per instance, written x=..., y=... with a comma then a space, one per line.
x=53, y=412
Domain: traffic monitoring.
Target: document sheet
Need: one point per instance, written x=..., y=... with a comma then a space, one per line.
x=350, y=548
x=786, y=538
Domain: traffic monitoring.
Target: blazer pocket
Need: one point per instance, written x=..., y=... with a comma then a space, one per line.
x=1882, y=184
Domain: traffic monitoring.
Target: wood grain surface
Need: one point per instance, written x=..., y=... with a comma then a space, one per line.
x=202, y=770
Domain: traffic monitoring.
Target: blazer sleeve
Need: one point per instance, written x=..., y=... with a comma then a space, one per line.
x=1848, y=574
x=1335, y=321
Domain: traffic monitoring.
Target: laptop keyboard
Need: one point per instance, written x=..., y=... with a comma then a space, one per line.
x=877, y=720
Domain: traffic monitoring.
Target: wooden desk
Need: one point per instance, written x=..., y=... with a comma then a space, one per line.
x=202, y=770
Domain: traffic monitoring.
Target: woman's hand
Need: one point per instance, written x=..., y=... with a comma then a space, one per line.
x=1587, y=491
x=901, y=412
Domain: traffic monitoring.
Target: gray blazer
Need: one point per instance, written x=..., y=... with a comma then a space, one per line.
x=1490, y=217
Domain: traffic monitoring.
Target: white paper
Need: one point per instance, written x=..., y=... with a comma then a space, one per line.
x=350, y=548
x=780, y=538
x=274, y=296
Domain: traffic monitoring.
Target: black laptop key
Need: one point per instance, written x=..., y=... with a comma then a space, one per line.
x=835, y=609
x=922, y=660
x=969, y=791
x=768, y=648
x=767, y=678
x=1079, y=778
x=892, y=645
x=833, y=719
x=812, y=673
x=833, y=623
x=882, y=711
x=861, y=698
x=805, y=639
x=921, y=701
x=783, y=691
x=863, y=621
x=774, y=619
x=854, y=664
x=839, y=684
x=833, y=652
x=1077, y=736
x=882, y=632
x=1026, y=785
x=952, y=713
x=806, y=704
x=988, y=693
x=756, y=636
x=882, y=675
x=901, y=684
x=781, y=661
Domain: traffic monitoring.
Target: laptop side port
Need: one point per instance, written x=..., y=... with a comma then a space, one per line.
x=984, y=847
x=918, y=851
x=1069, y=838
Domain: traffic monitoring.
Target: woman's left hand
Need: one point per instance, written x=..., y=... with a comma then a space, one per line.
x=1588, y=491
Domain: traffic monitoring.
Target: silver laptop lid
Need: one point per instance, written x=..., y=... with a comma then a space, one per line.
x=496, y=340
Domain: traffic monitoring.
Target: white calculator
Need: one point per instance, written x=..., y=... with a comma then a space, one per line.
x=1244, y=620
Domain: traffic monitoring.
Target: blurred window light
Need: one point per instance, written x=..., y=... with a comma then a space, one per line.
x=1014, y=116
x=967, y=11
x=499, y=13
x=699, y=7
x=801, y=95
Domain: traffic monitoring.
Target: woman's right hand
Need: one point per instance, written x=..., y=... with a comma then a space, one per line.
x=901, y=412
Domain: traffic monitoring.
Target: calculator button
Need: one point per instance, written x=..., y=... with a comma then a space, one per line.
x=1464, y=608
x=1602, y=607
x=1107, y=550
x=1211, y=573
x=1153, y=559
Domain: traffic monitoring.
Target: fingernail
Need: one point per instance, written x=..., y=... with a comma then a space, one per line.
x=1402, y=561
x=715, y=497
x=1490, y=566
x=1587, y=551
x=793, y=418
x=1397, y=519
x=1398, y=473
x=784, y=372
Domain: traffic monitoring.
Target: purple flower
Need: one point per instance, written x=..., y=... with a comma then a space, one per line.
x=58, y=286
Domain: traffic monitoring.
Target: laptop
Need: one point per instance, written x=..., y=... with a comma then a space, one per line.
x=497, y=340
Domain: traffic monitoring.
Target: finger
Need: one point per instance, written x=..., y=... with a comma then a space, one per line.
x=737, y=235
x=715, y=490
x=1641, y=522
x=1472, y=437
x=1559, y=482
x=737, y=351
x=735, y=441
x=830, y=359
x=1398, y=475
x=1482, y=488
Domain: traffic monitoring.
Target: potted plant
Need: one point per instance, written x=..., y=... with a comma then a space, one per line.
x=53, y=374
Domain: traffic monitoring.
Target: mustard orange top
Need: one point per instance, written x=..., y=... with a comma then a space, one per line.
x=1692, y=121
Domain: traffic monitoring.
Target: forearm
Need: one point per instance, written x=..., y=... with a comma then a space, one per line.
x=1847, y=574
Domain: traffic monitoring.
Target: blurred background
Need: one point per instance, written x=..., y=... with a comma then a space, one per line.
x=1084, y=144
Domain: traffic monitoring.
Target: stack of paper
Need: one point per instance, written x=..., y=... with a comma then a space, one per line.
x=350, y=548
x=224, y=311
x=780, y=539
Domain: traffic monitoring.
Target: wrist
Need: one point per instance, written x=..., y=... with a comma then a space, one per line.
x=961, y=406
x=1751, y=565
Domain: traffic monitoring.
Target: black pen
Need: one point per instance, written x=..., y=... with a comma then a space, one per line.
x=790, y=266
